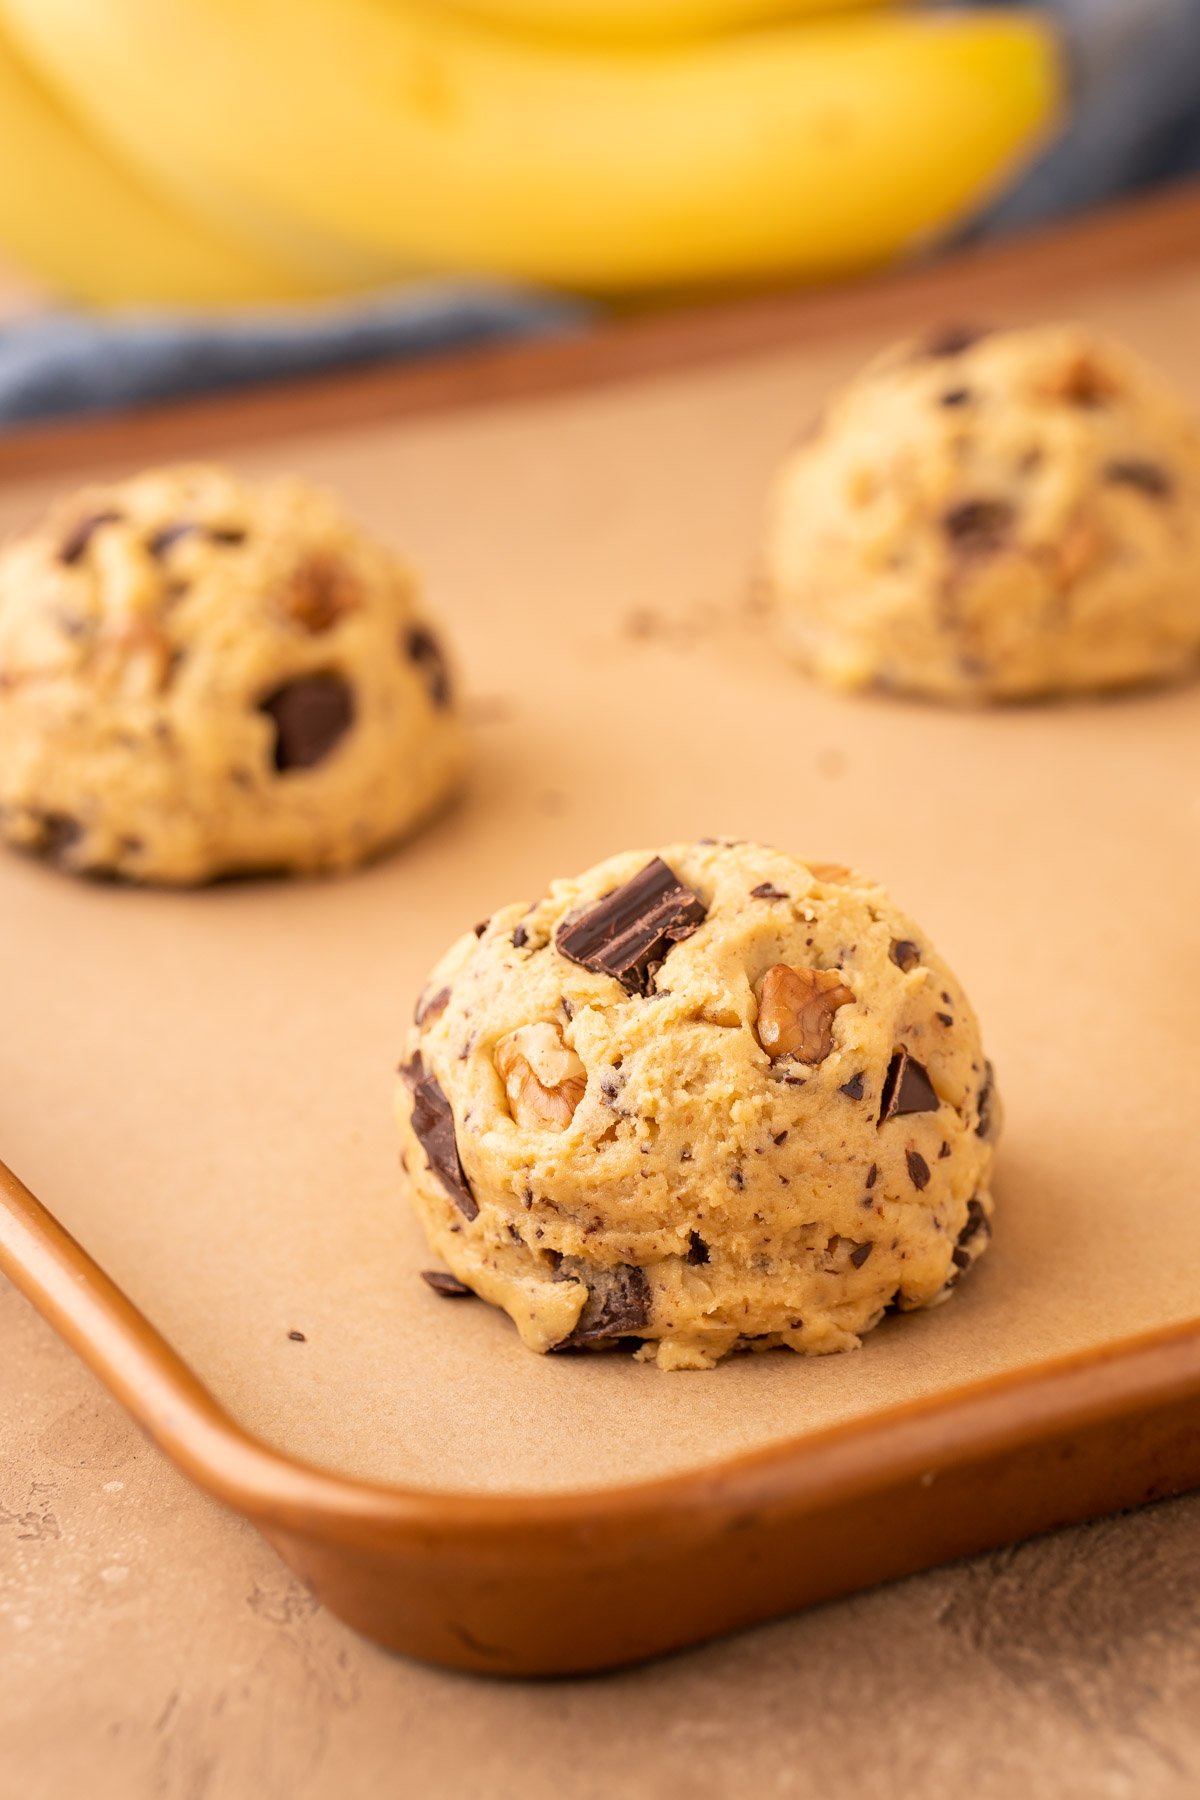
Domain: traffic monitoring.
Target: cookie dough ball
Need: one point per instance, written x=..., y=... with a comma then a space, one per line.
x=991, y=516
x=198, y=677
x=704, y=1099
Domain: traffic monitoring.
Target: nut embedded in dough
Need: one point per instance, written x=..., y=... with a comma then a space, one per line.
x=544, y=1080
x=796, y=1009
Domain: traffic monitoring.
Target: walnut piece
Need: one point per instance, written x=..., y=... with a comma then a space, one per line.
x=829, y=871
x=795, y=1011
x=544, y=1080
x=321, y=591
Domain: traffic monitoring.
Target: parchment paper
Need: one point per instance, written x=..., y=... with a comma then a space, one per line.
x=200, y=1084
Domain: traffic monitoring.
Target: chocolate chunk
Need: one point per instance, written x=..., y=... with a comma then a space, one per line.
x=737, y=1179
x=943, y=1018
x=944, y=1151
x=310, y=714
x=412, y=1071
x=952, y=340
x=697, y=1248
x=481, y=927
x=872, y=1174
x=431, y=1007
x=853, y=1089
x=906, y=1088
x=764, y=891
x=918, y=1168
x=447, y=1285
x=633, y=928
x=520, y=938
x=618, y=1303
x=978, y=527
x=860, y=1253
x=905, y=954
x=983, y=1105
x=978, y=1225
x=230, y=535
x=1136, y=472
x=433, y=1126
x=959, y=396
x=58, y=835
x=81, y=533
x=780, y=1137
x=423, y=649
x=160, y=541
x=297, y=1337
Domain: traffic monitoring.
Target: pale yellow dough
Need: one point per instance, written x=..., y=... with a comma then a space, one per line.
x=992, y=518
x=198, y=677
x=638, y=1166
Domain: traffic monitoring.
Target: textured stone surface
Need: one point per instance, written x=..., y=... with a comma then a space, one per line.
x=153, y=1648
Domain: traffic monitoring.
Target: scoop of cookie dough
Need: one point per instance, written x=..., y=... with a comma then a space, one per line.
x=198, y=677
x=709, y=1098
x=991, y=516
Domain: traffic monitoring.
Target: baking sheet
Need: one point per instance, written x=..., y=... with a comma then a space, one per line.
x=200, y=1084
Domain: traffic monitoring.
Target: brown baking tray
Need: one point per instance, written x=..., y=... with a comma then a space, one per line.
x=199, y=1084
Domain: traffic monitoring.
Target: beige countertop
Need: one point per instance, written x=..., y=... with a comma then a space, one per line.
x=153, y=1648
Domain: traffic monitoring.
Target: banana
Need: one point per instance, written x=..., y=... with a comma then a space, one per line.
x=630, y=20
x=79, y=222
x=409, y=137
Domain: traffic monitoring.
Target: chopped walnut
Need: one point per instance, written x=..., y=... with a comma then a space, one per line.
x=829, y=871
x=320, y=592
x=1081, y=381
x=795, y=1011
x=544, y=1080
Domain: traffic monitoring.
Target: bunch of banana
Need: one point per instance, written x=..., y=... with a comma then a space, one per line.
x=606, y=146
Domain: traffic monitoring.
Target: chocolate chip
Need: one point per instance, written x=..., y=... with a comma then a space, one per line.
x=1136, y=472
x=978, y=1225
x=58, y=834
x=764, y=891
x=433, y=1126
x=905, y=954
x=737, y=1179
x=697, y=1248
x=943, y=1018
x=431, y=1007
x=959, y=396
x=978, y=527
x=983, y=1104
x=423, y=649
x=944, y=1151
x=634, y=928
x=906, y=1088
x=853, y=1089
x=872, y=1173
x=859, y=1255
x=520, y=938
x=447, y=1285
x=229, y=535
x=618, y=1303
x=952, y=340
x=311, y=714
x=780, y=1137
x=81, y=533
x=918, y=1168
x=297, y=1337
x=160, y=541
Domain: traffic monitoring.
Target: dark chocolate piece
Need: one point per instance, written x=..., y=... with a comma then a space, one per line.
x=764, y=891
x=1137, y=472
x=978, y=1225
x=952, y=340
x=906, y=1088
x=447, y=1285
x=697, y=1248
x=618, y=1303
x=943, y=1018
x=297, y=1337
x=853, y=1089
x=81, y=533
x=160, y=541
x=978, y=527
x=520, y=938
x=872, y=1175
x=780, y=1137
x=905, y=954
x=423, y=649
x=633, y=930
x=58, y=835
x=310, y=714
x=431, y=1007
x=918, y=1168
x=433, y=1126
x=959, y=396
x=860, y=1253
x=229, y=535
x=984, y=1103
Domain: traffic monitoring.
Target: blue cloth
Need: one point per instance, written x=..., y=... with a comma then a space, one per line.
x=1135, y=120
